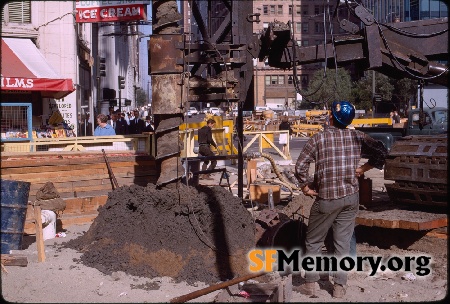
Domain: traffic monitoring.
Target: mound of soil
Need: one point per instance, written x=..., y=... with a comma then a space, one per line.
x=187, y=233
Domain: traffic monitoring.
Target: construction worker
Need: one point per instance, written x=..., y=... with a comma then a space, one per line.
x=205, y=141
x=336, y=153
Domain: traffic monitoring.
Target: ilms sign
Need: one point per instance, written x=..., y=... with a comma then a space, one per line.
x=110, y=11
x=16, y=82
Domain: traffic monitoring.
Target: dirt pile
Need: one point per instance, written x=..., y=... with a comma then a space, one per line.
x=189, y=234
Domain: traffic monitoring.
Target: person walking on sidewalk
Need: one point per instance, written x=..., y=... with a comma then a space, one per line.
x=103, y=128
x=205, y=141
x=284, y=138
x=336, y=153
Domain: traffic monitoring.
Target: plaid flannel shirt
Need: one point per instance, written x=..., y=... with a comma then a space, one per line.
x=337, y=153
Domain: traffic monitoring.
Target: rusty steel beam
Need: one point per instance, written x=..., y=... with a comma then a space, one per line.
x=166, y=71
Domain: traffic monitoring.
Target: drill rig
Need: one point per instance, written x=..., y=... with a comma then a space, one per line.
x=217, y=67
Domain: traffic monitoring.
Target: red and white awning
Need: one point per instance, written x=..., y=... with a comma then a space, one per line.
x=24, y=68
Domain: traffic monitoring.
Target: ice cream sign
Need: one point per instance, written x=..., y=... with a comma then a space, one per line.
x=110, y=11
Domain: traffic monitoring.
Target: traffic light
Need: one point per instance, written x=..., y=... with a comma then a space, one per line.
x=102, y=66
x=109, y=93
x=121, y=82
x=377, y=98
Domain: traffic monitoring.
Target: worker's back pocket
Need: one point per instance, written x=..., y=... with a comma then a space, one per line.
x=330, y=206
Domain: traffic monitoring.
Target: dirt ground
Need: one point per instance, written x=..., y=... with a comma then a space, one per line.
x=150, y=245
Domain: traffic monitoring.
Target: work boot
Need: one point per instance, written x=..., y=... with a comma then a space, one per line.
x=338, y=291
x=308, y=289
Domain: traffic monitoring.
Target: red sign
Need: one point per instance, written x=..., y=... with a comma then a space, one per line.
x=56, y=88
x=86, y=12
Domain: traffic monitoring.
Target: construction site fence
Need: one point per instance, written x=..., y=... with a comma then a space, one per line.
x=140, y=143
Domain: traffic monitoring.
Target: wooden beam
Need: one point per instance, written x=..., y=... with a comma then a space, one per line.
x=14, y=260
x=39, y=234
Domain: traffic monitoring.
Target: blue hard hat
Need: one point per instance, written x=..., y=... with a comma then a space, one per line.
x=343, y=112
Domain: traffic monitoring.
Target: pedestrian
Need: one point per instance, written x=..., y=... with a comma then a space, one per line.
x=396, y=117
x=148, y=125
x=136, y=124
x=283, y=138
x=103, y=128
x=85, y=126
x=130, y=117
x=119, y=124
x=205, y=141
x=336, y=153
x=110, y=112
x=391, y=116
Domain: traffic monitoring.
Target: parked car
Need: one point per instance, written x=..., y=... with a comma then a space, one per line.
x=193, y=111
x=204, y=110
x=189, y=113
x=216, y=111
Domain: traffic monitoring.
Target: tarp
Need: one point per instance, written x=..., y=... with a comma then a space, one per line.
x=24, y=68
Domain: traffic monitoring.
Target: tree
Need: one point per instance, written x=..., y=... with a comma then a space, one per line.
x=362, y=90
x=141, y=98
x=336, y=85
x=405, y=90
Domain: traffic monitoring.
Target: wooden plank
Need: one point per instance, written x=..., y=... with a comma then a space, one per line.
x=251, y=165
x=95, y=180
x=260, y=193
x=77, y=175
x=404, y=219
x=65, y=167
x=39, y=234
x=56, y=161
x=14, y=260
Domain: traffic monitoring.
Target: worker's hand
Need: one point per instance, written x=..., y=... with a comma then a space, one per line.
x=359, y=172
x=309, y=192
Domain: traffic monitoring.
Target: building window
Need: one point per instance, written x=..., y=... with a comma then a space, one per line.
x=305, y=42
x=290, y=80
x=274, y=80
x=290, y=9
x=298, y=27
x=305, y=11
x=299, y=42
x=319, y=42
x=272, y=9
x=318, y=27
x=316, y=9
x=280, y=9
x=265, y=25
x=298, y=10
x=17, y=12
x=305, y=27
x=265, y=10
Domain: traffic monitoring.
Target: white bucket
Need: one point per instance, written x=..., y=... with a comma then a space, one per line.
x=48, y=224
